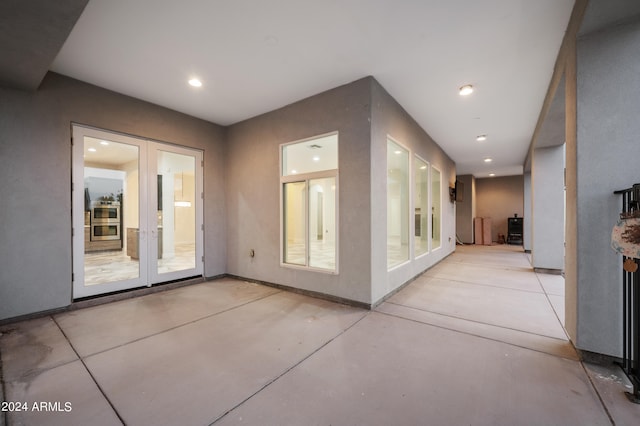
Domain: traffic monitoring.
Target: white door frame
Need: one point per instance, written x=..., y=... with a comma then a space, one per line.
x=147, y=166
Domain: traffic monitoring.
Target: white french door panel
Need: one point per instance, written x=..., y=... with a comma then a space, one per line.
x=137, y=212
x=176, y=245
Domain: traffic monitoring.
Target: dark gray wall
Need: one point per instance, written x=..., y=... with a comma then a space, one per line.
x=388, y=118
x=35, y=159
x=466, y=209
x=608, y=101
x=253, y=182
x=500, y=198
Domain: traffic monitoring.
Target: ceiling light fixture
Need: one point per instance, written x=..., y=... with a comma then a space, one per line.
x=466, y=90
x=423, y=168
x=195, y=82
x=397, y=152
x=316, y=158
x=105, y=143
x=294, y=171
x=481, y=138
x=488, y=160
x=492, y=174
x=92, y=150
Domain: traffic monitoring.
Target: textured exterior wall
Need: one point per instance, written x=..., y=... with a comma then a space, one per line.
x=253, y=182
x=608, y=101
x=548, y=208
x=388, y=118
x=466, y=210
x=35, y=155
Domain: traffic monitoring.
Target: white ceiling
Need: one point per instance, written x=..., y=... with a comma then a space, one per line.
x=254, y=56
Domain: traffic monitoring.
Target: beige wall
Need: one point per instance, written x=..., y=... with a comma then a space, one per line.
x=500, y=198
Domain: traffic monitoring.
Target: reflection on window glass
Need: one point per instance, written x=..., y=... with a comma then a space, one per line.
x=397, y=204
x=436, y=204
x=309, y=180
x=294, y=222
x=309, y=156
x=421, y=206
x=322, y=223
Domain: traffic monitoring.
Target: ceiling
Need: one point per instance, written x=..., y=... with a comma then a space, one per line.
x=254, y=56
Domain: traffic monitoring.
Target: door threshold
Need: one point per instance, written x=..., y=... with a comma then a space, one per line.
x=102, y=299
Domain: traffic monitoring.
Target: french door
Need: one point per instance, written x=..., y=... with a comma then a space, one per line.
x=137, y=212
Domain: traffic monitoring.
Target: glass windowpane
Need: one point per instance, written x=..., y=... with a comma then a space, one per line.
x=421, y=206
x=312, y=155
x=322, y=226
x=294, y=223
x=397, y=204
x=436, y=207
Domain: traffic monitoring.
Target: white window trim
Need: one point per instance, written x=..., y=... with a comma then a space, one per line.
x=431, y=248
x=410, y=178
x=306, y=177
x=413, y=201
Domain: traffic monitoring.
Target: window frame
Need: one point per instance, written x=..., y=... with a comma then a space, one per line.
x=428, y=203
x=306, y=178
x=409, y=206
x=432, y=168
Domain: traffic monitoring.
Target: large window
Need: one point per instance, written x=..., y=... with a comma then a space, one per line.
x=397, y=204
x=421, y=205
x=436, y=208
x=309, y=180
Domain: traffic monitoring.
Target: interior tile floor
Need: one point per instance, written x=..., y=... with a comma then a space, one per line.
x=476, y=340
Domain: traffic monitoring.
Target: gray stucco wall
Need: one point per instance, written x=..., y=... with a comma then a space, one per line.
x=466, y=209
x=548, y=208
x=388, y=118
x=608, y=101
x=35, y=159
x=253, y=179
x=528, y=211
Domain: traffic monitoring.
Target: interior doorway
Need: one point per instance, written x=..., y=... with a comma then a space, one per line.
x=137, y=212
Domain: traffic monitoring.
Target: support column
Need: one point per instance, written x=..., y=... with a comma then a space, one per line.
x=547, y=184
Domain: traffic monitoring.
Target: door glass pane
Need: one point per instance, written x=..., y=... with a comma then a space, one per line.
x=397, y=204
x=436, y=206
x=294, y=223
x=421, y=200
x=111, y=206
x=322, y=223
x=175, y=230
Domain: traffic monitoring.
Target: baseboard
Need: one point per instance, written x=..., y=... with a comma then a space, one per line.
x=548, y=271
x=102, y=299
x=597, y=358
x=304, y=292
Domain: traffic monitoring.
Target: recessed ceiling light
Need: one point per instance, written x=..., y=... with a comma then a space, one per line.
x=488, y=160
x=481, y=138
x=466, y=90
x=105, y=143
x=423, y=168
x=294, y=171
x=397, y=152
x=492, y=174
x=316, y=158
x=195, y=82
x=92, y=150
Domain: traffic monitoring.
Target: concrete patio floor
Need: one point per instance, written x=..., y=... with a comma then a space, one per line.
x=476, y=340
